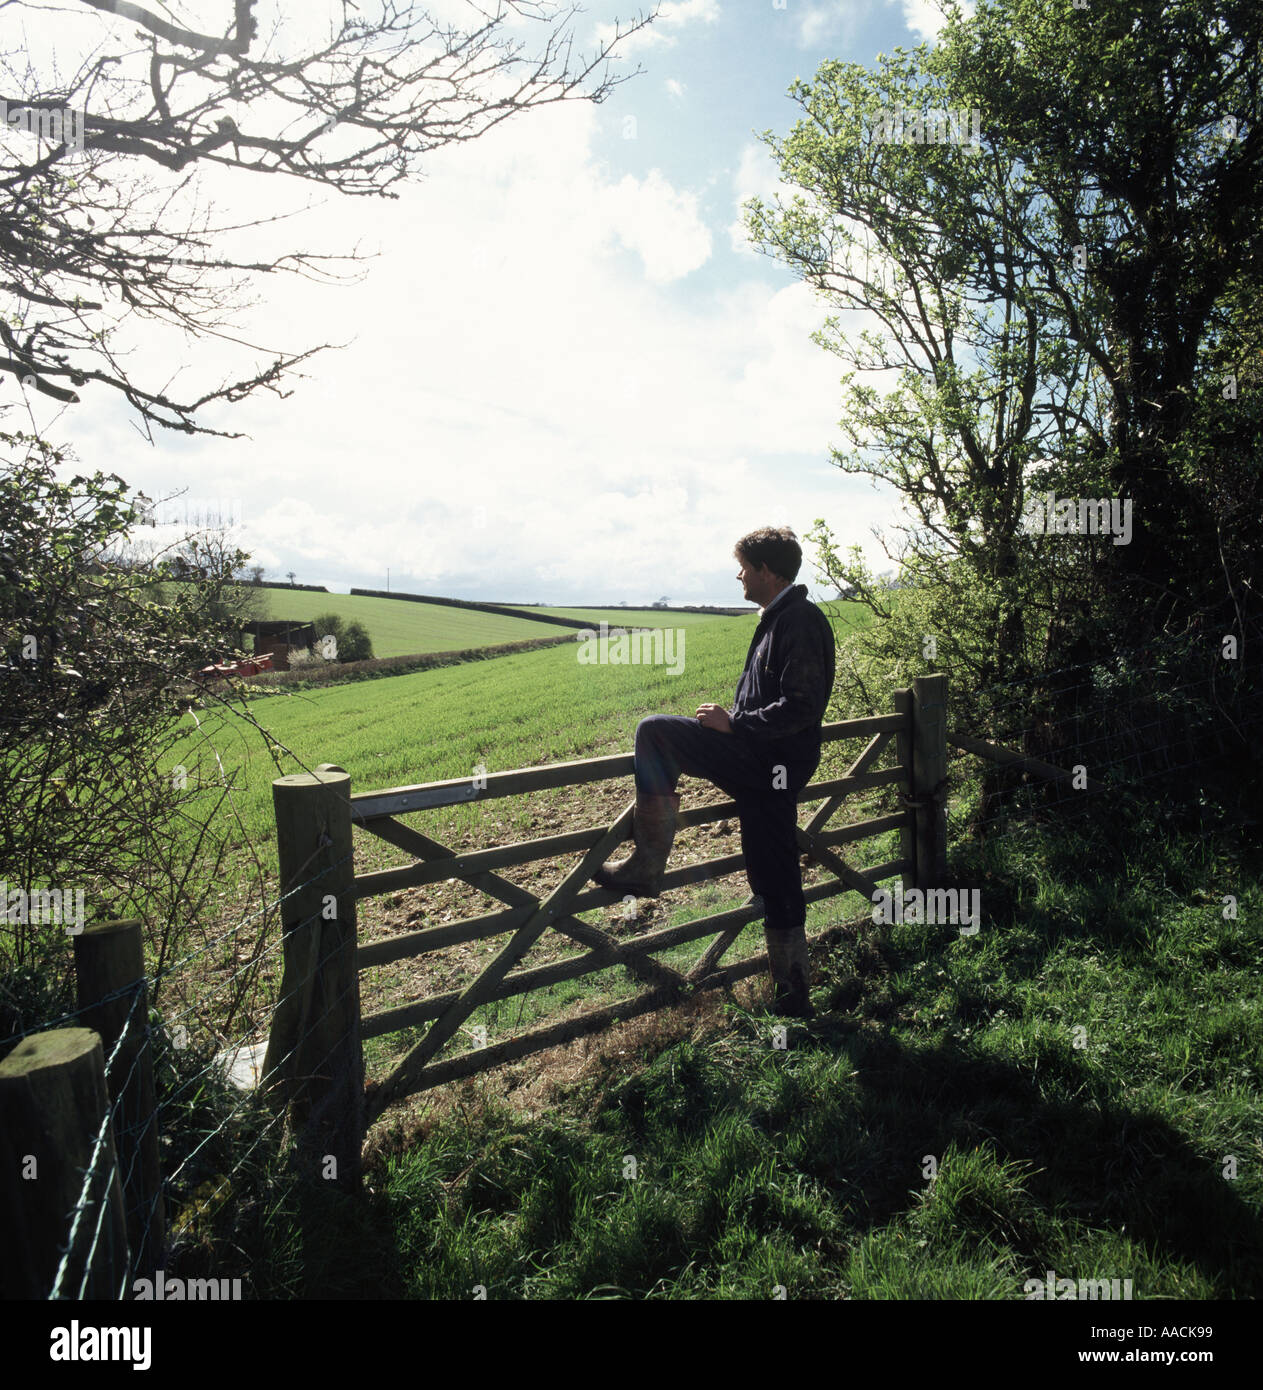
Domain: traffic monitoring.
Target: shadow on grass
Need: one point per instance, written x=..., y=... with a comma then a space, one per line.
x=1098, y=1161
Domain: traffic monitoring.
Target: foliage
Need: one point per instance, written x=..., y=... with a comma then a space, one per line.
x=350, y=640
x=93, y=689
x=1057, y=309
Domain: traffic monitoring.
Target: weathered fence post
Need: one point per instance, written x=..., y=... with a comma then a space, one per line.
x=929, y=778
x=903, y=754
x=114, y=1000
x=314, y=1056
x=53, y=1101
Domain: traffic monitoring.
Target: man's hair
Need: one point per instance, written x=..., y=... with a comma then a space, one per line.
x=774, y=546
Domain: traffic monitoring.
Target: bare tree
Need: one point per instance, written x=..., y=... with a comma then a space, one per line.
x=96, y=223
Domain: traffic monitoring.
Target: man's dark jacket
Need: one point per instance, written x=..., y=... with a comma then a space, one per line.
x=787, y=681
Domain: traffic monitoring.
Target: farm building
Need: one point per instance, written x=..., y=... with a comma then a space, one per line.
x=279, y=636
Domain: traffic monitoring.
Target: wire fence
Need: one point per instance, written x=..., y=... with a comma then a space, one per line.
x=166, y=1049
x=1133, y=725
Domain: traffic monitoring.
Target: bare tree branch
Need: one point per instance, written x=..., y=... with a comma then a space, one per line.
x=99, y=221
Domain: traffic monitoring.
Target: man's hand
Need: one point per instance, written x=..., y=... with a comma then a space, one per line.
x=714, y=717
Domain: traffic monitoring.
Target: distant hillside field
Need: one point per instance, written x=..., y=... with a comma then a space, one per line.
x=664, y=617
x=402, y=627
x=631, y=617
x=399, y=627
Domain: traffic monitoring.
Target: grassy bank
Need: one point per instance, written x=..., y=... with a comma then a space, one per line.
x=686, y=1156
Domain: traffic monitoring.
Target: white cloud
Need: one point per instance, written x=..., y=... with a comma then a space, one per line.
x=833, y=22
x=675, y=89
x=926, y=18
x=660, y=224
x=526, y=410
x=820, y=22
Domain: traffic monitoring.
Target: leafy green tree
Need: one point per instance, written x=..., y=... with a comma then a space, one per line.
x=925, y=241
x=1057, y=308
x=350, y=642
x=94, y=688
x=1141, y=128
x=357, y=644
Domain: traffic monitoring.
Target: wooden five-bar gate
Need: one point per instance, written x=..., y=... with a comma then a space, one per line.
x=314, y=1056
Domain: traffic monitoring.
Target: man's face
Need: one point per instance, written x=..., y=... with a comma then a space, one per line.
x=758, y=585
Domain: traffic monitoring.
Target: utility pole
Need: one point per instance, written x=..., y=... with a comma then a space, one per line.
x=388, y=579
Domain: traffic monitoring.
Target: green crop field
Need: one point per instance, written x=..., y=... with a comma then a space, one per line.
x=511, y=712
x=400, y=627
x=665, y=617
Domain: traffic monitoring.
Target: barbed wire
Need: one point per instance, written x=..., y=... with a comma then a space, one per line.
x=103, y=1129
x=94, y=1171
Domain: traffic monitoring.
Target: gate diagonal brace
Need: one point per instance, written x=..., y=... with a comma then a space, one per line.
x=873, y=750
x=861, y=764
x=717, y=949
x=643, y=967
x=853, y=878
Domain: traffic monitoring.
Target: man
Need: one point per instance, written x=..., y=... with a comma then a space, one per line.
x=762, y=753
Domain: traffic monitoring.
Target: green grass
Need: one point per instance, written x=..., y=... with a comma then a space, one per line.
x=839, y=609
x=528, y=709
x=401, y=627
x=625, y=617
x=1080, y=1072
x=806, y=1169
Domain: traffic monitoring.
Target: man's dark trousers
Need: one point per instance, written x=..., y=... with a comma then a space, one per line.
x=669, y=745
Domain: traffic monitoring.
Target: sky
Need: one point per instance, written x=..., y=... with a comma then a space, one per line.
x=565, y=376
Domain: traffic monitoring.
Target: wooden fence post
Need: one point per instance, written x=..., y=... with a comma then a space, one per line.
x=112, y=989
x=903, y=754
x=929, y=778
x=314, y=1056
x=52, y=1103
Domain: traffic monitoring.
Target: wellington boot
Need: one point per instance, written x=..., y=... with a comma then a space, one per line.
x=653, y=828
x=791, y=972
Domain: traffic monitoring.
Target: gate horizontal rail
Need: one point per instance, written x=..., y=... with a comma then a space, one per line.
x=425, y=796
